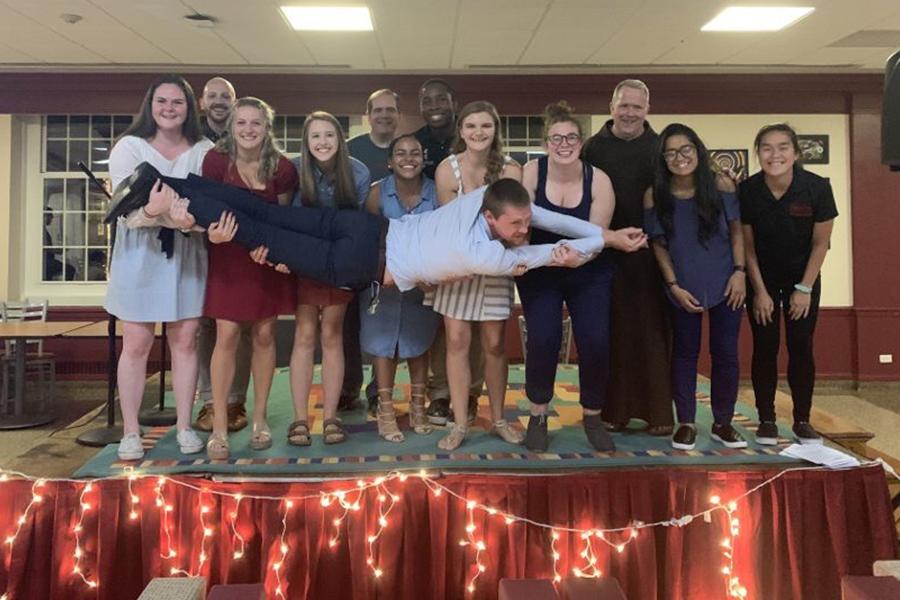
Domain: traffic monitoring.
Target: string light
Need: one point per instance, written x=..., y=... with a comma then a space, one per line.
x=83, y=507
x=240, y=542
x=351, y=500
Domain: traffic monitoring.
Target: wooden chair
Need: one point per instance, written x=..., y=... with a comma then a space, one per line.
x=39, y=365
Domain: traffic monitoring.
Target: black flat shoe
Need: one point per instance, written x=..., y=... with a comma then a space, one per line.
x=133, y=192
x=536, y=438
x=596, y=434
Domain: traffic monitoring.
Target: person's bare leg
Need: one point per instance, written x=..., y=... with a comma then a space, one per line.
x=496, y=377
x=182, y=336
x=459, y=338
x=221, y=372
x=137, y=340
x=302, y=355
x=262, y=364
x=385, y=375
x=332, y=370
x=418, y=378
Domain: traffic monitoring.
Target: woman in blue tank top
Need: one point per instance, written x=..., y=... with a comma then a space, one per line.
x=563, y=183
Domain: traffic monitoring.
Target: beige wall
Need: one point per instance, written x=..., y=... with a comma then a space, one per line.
x=738, y=131
x=5, y=203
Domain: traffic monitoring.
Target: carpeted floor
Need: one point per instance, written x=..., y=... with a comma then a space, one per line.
x=365, y=451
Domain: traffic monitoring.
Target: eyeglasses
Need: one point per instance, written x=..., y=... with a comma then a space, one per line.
x=687, y=151
x=557, y=139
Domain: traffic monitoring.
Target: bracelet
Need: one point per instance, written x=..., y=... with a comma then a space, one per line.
x=740, y=268
x=804, y=289
x=672, y=283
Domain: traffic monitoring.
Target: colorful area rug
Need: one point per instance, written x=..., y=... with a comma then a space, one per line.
x=365, y=451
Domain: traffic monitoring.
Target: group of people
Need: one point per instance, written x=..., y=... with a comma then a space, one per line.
x=396, y=245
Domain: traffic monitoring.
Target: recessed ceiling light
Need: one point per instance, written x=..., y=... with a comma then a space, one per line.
x=757, y=18
x=328, y=18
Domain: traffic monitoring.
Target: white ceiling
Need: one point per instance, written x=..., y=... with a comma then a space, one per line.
x=438, y=36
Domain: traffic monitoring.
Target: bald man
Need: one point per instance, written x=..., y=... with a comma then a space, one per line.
x=215, y=103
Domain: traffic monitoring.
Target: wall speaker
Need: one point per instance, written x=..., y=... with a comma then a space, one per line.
x=890, y=113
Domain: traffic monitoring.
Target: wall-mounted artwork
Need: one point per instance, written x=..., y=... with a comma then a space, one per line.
x=814, y=149
x=733, y=161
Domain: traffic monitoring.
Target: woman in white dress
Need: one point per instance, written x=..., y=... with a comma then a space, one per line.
x=158, y=274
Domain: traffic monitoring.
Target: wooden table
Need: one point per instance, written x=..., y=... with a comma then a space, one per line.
x=21, y=332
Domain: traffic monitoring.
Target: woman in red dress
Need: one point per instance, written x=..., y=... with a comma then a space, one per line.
x=239, y=290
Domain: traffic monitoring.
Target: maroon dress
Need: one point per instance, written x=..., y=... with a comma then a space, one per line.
x=238, y=289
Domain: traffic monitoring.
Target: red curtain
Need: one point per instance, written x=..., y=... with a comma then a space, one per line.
x=798, y=534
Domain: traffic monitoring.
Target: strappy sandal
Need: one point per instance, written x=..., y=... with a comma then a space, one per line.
x=298, y=434
x=417, y=417
x=507, y=433
x=217, y=446
x=387, y=418
x=455, y=438
x=333, y=431
x=261, y=438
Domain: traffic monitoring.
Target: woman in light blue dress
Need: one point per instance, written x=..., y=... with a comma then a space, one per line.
x=400, y=327
x=157, y=274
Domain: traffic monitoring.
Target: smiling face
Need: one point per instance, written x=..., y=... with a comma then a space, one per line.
x=384, y=116
x=629, y=112
x=249, y=127
x=436, y=106
x=406, y=160
x=680, y=155
x=776, y=154
x=564, y=143
x=217, y=100
x=511, y=226
x=477, y=131
x=322, y=141
x=169, y=108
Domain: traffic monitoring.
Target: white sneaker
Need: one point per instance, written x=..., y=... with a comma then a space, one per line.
x=188, y=442
x=131, y=447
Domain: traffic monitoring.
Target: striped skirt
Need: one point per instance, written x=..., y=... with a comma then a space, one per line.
x=479, y=298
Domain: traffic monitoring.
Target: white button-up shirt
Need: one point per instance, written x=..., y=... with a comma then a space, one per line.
x=455, y=241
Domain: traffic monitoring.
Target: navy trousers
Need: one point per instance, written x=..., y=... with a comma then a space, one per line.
x=337, y=247
x=724, y=328
x=586, y=292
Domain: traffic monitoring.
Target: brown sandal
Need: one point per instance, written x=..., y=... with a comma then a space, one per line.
x=333, y=431
x=298, y=434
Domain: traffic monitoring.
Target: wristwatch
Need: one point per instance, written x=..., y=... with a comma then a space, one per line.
x=803, y=288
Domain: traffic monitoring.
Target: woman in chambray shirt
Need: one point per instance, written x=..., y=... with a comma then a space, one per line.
x=401, y=327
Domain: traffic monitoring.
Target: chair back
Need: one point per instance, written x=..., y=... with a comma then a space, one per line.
x=30, y=309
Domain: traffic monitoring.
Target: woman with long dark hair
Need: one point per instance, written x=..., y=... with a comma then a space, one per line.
x=788, y=214
x=157, y=274
x=693, y=220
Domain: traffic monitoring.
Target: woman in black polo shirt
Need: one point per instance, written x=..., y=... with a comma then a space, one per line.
x=788, y=214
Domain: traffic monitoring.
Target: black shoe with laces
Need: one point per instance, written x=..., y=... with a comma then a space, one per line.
x=806, y=434
x=536, y=438
x=373, y=406
x=767, y=433
x=685, y=437
x=133, y=192
x=595, y=431
x=438, y=411
x=728, y=436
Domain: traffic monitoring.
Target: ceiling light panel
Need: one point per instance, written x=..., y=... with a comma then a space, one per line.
x=757, y=18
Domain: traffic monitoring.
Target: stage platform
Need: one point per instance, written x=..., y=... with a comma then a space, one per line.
x=366, y=452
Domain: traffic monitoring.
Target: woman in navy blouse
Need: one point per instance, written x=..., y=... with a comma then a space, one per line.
x=693, y=220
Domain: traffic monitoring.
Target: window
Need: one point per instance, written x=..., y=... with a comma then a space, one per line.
x=75, y=243
x=523, y=136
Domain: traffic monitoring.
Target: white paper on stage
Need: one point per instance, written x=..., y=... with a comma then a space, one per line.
x=821, y=455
